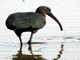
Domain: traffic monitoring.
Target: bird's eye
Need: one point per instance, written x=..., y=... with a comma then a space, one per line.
x=49, y=9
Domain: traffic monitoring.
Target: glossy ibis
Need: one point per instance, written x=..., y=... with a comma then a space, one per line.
x=29, y=21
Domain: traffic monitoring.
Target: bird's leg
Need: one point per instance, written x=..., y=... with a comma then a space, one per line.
x=19, y=35
x=20, y=41
x=29, y=42
x=33, y=32
x=20, y=50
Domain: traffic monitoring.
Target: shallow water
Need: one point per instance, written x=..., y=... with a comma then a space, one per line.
x=53, y=48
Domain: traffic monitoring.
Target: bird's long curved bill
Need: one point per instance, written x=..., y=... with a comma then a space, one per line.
x=52, y=16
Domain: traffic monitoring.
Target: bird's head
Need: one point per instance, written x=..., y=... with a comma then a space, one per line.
x=46, y=10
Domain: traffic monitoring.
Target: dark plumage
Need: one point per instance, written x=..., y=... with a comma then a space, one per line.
x=29, y=21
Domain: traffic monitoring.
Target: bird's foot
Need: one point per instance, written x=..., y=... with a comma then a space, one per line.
x=29, y=42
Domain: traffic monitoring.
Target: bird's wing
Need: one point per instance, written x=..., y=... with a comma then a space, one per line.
x=32, y=20
x=38, y=22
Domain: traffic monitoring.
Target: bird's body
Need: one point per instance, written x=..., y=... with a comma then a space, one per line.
x=25, y=21
x=29, y=21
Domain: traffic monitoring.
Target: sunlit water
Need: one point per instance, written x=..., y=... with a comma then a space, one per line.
x=44, y=46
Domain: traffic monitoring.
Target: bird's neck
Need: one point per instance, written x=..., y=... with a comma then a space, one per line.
x=41, y=13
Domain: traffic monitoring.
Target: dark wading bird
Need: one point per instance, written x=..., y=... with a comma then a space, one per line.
x=29, y=21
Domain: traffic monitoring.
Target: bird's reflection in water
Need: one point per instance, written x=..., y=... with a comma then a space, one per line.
x=21, y=56
x=60, y=52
